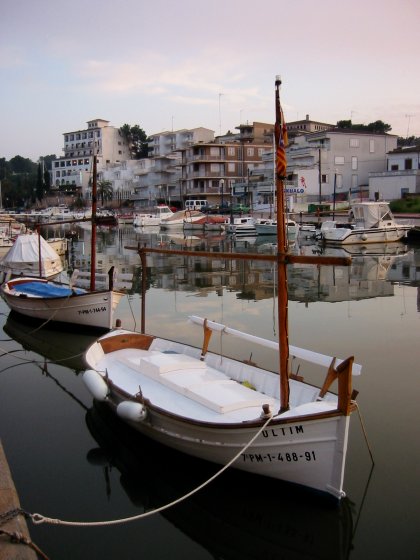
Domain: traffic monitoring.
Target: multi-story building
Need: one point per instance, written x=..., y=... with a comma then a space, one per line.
x=73, y=171
x=336, y=161
x=402, y=175
x=219, y=171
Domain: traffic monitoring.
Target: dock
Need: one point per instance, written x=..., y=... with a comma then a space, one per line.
x=17, y=525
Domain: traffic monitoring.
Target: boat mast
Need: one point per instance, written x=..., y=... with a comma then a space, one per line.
x=93, y=233
x=280, y=134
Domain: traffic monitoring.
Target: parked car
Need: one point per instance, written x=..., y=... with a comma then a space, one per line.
x=240, y=209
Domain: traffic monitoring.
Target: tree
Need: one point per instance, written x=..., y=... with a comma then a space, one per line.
x=137, y=140
x=104, y=190
x=377, y=127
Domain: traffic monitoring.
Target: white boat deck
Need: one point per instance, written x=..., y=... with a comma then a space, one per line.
x=186, y=386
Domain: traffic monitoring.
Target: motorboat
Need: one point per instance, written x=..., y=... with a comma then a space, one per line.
x=152, y=219
x=242, y=225
x=268, y=226
x=373, y=223
x=178, y=219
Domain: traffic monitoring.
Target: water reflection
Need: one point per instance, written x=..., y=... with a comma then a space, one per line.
x=374, y=270
x=233, y=517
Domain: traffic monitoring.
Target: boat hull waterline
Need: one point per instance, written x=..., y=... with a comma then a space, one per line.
x=176, y=405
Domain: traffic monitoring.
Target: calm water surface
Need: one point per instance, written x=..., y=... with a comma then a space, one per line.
x=75, y=462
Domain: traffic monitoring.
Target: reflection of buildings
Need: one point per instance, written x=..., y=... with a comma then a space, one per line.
x=368, y=276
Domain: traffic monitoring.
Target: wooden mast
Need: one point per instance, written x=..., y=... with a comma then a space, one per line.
x=93, y=232
x=280, y=135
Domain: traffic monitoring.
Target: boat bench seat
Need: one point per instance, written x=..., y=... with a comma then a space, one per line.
x=193, y=378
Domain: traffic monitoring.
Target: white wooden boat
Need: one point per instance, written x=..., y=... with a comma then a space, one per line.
x=243, y=225
x=51, y=301
x=31, y=255
x=373, y=223
x=154, y=218
x=228, y=411
x=48, y=301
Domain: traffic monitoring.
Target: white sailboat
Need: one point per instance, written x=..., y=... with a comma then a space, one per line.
x=227, y=411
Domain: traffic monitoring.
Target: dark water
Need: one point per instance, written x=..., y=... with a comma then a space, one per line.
x=75, y=462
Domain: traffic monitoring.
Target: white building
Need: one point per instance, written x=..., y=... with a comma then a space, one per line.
x=337, y=160
x=401, y=177
x=73, y=170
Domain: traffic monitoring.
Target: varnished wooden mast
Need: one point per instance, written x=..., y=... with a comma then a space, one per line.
x=280, y=174
x=93, y=233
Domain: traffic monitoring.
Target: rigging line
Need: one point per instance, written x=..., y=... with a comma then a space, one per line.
x=38, y=519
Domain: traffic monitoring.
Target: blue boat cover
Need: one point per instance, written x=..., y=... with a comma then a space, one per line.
x=47, y=289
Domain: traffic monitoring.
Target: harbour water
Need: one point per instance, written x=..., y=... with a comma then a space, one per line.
x=72, y=461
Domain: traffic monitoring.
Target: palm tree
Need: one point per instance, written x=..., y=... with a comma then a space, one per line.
x=105, y=190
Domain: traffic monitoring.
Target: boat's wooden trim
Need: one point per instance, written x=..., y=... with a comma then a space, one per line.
x=126, y=340
x=343, y=373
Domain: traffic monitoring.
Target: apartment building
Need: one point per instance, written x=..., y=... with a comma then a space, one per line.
x=338, y=160
x=72, y=172
x=400, y=177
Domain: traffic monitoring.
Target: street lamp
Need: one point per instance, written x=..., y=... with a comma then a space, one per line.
x=221, y=188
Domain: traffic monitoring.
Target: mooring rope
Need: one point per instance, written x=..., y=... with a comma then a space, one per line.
x=37, y=518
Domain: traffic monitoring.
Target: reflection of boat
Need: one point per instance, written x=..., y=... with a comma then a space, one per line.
x=227, y=411
x=373, y=223
x=53, y=301
x=31, y=255
x=62, y=347
x=371, y=249
x=232, y=517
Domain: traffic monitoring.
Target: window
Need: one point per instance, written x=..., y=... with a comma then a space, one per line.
x=324, y=178
x=215, y=168
x=354, y=162
x=354, y=181
x=354, y=142
x=250, y=151
x=339, y=160
x=408, y=163
x=394, y=167
x=231, y=167
x=372, y=146
x=231, y=151
x=338, y=181
x=214, y=152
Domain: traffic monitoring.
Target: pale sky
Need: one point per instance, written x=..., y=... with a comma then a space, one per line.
x=169, y=65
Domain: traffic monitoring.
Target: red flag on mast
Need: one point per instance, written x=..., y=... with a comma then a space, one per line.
x=281, y=140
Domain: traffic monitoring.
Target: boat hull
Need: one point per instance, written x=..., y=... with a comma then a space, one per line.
x=347, y=236
x=91, y=309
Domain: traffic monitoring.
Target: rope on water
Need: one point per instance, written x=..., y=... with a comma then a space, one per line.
x=364, y=432
x=37, y=518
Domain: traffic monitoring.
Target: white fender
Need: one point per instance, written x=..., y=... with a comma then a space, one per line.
x=96, y=384
x=133, y=411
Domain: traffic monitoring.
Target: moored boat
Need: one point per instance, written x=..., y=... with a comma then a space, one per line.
x=373, y=223
x=153, y=218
